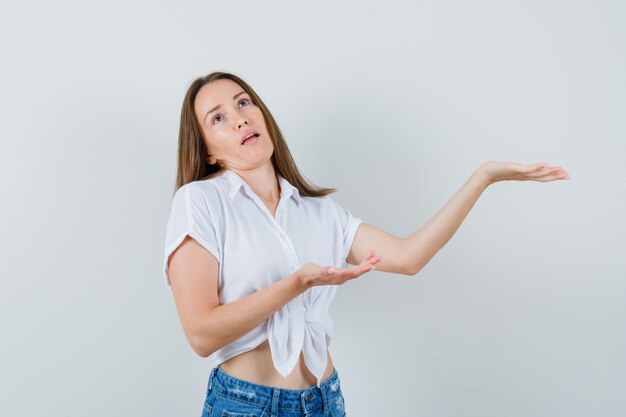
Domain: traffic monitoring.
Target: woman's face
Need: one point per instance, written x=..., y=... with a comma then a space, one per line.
x=227, y=115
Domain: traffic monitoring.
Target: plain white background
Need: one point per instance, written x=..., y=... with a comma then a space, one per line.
x=522, y=313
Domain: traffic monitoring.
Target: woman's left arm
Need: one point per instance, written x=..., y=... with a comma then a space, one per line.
x=410, y=254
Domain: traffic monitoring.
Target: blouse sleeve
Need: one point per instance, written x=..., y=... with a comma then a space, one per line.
x=189, y=215
x=349, y=226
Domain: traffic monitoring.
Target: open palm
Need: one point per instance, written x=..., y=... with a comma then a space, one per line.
x=514, y=171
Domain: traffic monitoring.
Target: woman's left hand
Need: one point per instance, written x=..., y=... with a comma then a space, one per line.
x=495, y=171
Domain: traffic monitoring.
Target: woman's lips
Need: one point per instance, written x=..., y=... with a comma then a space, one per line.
x=251, y=141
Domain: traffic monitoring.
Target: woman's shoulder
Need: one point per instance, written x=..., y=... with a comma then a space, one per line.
x=321, y=204
x=207, y=191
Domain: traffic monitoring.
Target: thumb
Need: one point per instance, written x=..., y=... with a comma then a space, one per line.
x=330, y=270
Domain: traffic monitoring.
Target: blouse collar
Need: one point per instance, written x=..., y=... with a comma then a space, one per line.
x=235, y=183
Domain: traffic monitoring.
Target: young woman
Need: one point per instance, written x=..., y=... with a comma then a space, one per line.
x=254, y=254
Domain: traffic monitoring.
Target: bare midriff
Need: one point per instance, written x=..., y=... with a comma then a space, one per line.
x=256, y=366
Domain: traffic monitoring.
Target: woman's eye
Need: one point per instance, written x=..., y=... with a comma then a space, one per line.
x=219, y=116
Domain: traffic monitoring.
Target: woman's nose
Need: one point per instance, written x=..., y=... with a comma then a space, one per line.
x=240, y=122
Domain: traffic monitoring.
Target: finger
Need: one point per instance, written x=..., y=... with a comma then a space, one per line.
x=370, y=268
x=561, y=175
x=525, y=169
x=525, y=172
x=557, y=172
x=371, y=261
x=554, y=176
x=360, y=269
x=366, y=268
x=545, y=172
x=352, y=273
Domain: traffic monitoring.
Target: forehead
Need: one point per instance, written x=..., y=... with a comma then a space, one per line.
x=216, y=92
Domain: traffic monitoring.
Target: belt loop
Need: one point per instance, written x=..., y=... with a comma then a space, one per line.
x=275, y=398
x=211, y=379
x=324, y=404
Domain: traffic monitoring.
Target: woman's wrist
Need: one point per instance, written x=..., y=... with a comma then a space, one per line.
x=481, y=177
x=301, y=282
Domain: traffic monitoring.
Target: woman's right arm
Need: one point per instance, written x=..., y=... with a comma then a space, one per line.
x=208, y=325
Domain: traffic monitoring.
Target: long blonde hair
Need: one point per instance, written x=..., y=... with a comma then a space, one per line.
x=193, y=154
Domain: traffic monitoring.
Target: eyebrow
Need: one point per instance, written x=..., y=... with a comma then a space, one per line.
x=219, y=105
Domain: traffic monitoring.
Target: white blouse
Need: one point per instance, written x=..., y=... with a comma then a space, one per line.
x=255, y=250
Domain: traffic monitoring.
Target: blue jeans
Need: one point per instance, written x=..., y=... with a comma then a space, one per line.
x=228, y=396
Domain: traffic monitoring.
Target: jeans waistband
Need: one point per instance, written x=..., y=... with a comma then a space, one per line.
x=274, y=398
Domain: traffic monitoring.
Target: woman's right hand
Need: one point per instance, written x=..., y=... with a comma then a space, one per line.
x=312, y=274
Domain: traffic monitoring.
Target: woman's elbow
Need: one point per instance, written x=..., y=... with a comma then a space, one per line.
x=201, y=346
x=412, y=270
